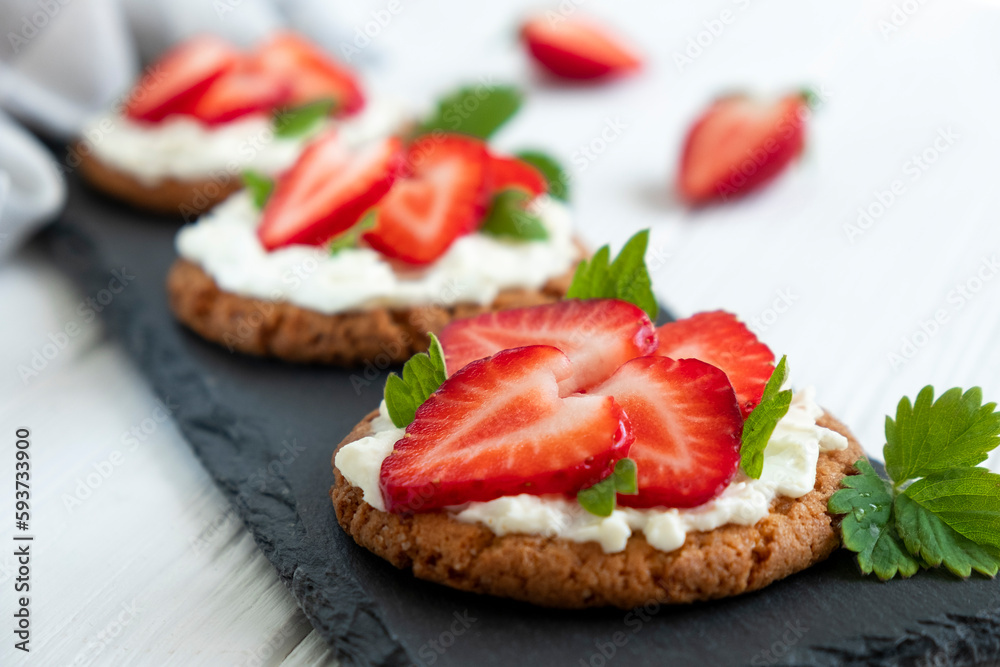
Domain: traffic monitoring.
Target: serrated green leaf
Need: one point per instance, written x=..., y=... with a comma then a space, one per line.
x=760, y=423
x=352, y=236
x=599, y=499
x=259, y=186
x=966, y=499
x=868, y=527
x=553, y=172
x=930, y=436
x=421, y=376
x=300, y=121
x=477, y=111
x=509, y=219
x=625, y=278
x=928, y=537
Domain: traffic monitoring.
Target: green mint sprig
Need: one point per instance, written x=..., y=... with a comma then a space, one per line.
x=599, y=499
x=422, y=374
x=760, y=423
x=477, y=111
x=625, y=278
x=508, y=218
x=937, y=508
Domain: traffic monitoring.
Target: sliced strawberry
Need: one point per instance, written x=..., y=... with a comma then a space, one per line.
x=718, y=338
x=180, y=77
x=498, y=427
x=598, y=335
x=440, y=199
x=576, y=49
x=240, y=92
x=312, y=74
x=738, y=145
x=510, y=172
x=687, y=429
x=327, y=191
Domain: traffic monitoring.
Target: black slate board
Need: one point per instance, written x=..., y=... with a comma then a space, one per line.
x=239, y=414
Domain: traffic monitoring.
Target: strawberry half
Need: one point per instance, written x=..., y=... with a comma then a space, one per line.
x=312, y=74
x=439, y=200
x=327, y=191
x=499, y=427
x=718, y=338
x=240, y=92
x=738, y=145
x=687, y=429
x=575, y=49
x=180, y=77
x=510, y=172
x=598, y=335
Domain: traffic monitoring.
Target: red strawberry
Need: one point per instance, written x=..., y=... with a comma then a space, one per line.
x=575, y=49
x=598, y=336
x=240, y=92
x=510, y=172
x=687, y=429
x=438, y=201
x=738, y=145
x=180, y=77
x=312, y=74
x=327, y=191
x=498, y=427
x=718, y=338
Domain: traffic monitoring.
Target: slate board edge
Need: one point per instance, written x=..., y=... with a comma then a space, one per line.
x=357, y=630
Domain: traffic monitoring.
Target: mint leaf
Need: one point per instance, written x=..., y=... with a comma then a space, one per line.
x=625, y=278
x=300, y=121
x=868, y=527
x=421, y=376
x=553, y=172
x=477, y=111
x=966, y=499
x=930, y=436
x=931, y=539
x=760, y=423
x=350, y=238
x=508, y=219
x=599, y=499
x=259, y=186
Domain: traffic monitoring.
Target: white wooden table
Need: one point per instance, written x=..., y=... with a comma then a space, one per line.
x=138, y=558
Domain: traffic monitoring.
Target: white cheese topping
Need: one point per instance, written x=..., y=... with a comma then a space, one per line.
x=474, y=270
x=789, y=470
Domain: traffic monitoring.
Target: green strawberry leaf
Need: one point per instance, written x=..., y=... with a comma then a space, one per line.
x=625, y=278
x=553, y=172
x=300, y=121
x=931, y=436
x=965, y=499
x=259, y=186
x=760, y=423
x=868, y=527
x=421, y=376
x=477, y=111
x=599, y=499
x=509, y=219
x=351, y=237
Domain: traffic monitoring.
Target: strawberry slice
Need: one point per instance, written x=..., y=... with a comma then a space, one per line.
x=738, y=145
x=327, y=191
x=687, y=429
x=240, y=92
x=440, y=199
x=312, y=74
x=576, y=49
x=499, y=427
x=180, y=77
x=510, y=172
x=718, y=338
x=598, y=335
